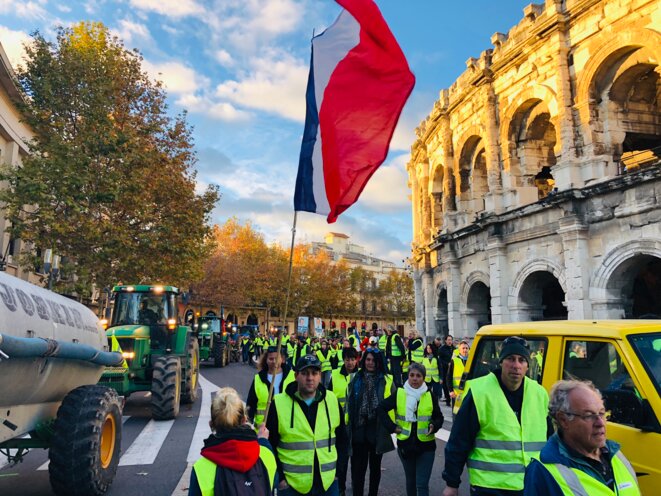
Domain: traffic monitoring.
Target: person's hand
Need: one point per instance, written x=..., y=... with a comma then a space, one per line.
x=453, y=394
x=283, y=485
x=398, y=430
x=263, y=432
x=431, y=429
x=450, y=491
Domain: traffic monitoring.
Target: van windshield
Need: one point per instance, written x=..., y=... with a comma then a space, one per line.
x=648, y=348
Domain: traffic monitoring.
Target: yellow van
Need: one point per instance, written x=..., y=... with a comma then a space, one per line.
x=621, y=357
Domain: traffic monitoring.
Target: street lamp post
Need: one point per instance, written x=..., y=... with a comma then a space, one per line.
x=51, y=267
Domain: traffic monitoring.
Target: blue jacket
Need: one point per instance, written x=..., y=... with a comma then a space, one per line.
x=540, y=482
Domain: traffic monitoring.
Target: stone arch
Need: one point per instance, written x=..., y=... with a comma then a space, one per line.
x=539, y=293
x=471, y=173
x=530, y=138
x=618, y=119
x=538, y=265
x=612, y=289
x=475, y=302
x=442, y=313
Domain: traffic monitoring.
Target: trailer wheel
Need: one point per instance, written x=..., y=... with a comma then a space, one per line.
x=217, y=352
x=192, y=370
x=87, y=434
x=165, y=388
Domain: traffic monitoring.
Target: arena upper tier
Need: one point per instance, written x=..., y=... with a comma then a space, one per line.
x=536, y=179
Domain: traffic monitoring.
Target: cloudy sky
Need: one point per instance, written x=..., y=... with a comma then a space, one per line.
x=240, y=69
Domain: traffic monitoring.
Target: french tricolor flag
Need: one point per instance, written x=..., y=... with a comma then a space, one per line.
x=358, y=84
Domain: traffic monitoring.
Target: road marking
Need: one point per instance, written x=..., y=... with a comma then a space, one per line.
x=145, y=448
x=184, y=482
x=202, y=429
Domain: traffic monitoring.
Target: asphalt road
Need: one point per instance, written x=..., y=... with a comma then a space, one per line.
x=156, y=456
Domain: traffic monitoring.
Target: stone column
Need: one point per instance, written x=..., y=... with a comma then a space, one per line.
x=576, y=251
x=430, y=304
x=451, y=264
x=498, y=280
x=420, y=302
x=493, y=199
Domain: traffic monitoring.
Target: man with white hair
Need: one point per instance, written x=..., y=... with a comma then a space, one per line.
x=578, y=459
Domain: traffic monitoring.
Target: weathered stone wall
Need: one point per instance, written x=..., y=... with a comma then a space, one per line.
x=574, y=88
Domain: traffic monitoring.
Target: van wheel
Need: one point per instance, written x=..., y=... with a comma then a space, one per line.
x=84, y=453
x=165, y=388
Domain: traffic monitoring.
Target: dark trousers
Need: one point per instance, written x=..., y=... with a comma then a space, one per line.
x=245, y=354
x=341, y=472
x=396, y=370
x=364, y=454
x=418, y=471
x=446, y=389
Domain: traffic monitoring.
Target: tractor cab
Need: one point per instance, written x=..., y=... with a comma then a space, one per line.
x=152, y=306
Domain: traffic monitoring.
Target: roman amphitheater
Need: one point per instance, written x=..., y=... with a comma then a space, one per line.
x=536, y=177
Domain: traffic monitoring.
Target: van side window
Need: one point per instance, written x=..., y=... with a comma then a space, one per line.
x=600, y=363
x=488, y=349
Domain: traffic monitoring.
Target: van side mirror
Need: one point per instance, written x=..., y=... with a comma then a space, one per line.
x=650, y=423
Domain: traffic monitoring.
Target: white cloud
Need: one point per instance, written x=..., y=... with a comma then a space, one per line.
x=132, y=33
x=12, y=42
x=27, y=10
x=177, y=77
x=63, y=8
x=276, y=84
x=387, y=190
x=219, y=111
x=169, y=8
x=224, y=57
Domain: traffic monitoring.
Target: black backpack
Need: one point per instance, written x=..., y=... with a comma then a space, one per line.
x=254, y=482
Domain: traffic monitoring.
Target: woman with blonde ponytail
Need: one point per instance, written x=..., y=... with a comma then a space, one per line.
x=235, y=460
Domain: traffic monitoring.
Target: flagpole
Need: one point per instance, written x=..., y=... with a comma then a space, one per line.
x=279, y=345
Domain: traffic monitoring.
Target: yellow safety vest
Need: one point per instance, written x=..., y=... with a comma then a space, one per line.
x=503, y=446
x=424, y=412
x=291, y=346
x=394, y=349
x=419, y=353
x=340, y=383
x=205, y=470
x=118, y=349
x=262, y=393
x=300, y=446
x=325, y=360
x=383, y=341
x=431, y=365
x=574, y=482
x=457, y=372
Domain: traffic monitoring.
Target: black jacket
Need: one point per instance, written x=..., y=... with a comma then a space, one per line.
x=375, y=433
x=445, y=354
x=310, y=412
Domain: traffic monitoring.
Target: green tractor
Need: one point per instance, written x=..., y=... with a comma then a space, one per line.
x=213, y=339
x=160, y=355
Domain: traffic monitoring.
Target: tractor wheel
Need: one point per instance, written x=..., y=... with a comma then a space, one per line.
x=189, y=394
x=87, y=434
x=165, y=388
x=217, y=352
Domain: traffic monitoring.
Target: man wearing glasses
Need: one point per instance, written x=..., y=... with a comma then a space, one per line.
x=501, y=425
x=578, y=459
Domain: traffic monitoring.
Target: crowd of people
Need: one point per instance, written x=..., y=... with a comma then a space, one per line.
x=340, y=402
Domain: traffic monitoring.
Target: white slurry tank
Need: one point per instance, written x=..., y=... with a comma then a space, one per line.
x=53, y=351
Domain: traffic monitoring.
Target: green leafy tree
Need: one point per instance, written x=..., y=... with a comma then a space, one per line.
x=398, y=296
x=110, y=181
